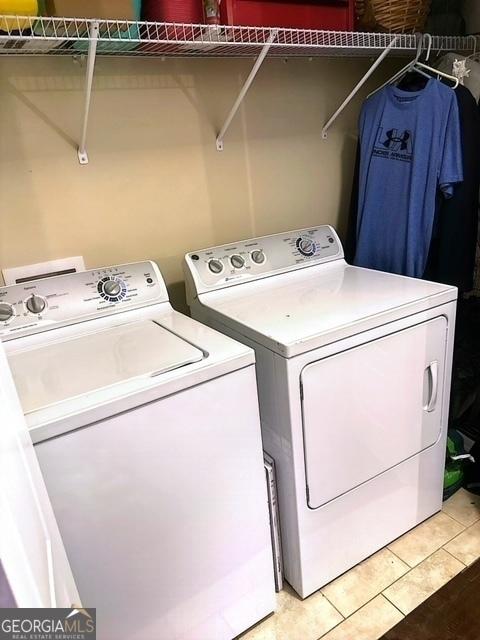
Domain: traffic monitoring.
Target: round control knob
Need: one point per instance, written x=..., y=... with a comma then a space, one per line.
x=306, y=246
x=237, y=261
x=7, y=312
x=36, y=304
x=215, y=266
x=112, y=287
x=258, y=256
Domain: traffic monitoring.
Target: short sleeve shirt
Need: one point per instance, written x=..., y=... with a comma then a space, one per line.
x=410, y=150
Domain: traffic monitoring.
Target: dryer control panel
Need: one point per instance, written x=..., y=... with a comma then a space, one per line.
x=221, y=266
x=45, y=303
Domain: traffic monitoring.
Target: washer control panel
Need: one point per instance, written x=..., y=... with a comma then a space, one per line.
x=220, y=266
x=42, y=304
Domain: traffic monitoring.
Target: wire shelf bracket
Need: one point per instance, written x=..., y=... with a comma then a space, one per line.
x=246, y=86
x=92, y=52
x=357, y=88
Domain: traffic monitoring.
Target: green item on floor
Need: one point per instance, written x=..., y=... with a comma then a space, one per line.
x=456, y=459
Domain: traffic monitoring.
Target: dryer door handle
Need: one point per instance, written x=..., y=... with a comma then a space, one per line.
x=433, y=373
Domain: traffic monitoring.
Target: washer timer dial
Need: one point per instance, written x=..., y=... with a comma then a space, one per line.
x=306, y=246
x=112, y=289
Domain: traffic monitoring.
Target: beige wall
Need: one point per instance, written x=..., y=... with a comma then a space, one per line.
x=156, y=187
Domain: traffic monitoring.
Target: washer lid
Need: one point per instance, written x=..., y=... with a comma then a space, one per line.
x=65, y=369
x=309, y=308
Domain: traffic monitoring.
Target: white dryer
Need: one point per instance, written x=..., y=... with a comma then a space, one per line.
x=353, y=370
x=146, y=427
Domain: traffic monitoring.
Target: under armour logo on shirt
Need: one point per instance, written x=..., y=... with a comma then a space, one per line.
x=395, y=142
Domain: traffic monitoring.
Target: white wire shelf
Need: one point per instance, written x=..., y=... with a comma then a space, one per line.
x=20, y=35
x=66, y=36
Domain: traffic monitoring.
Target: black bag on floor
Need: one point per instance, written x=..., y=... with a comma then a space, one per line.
x=472, y=471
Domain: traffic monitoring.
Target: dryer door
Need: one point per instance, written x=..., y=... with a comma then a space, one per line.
x=370, y=408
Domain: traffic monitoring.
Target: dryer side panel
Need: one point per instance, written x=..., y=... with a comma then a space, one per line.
x=367, y=409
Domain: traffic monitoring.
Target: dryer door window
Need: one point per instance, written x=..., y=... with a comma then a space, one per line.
x=368, y=409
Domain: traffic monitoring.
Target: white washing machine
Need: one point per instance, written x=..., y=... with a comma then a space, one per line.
x=146, y=427
x=353, y=370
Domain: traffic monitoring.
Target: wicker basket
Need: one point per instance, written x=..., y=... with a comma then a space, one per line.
x=397, y=16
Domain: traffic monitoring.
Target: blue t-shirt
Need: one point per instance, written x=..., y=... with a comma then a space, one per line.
x=410, y=147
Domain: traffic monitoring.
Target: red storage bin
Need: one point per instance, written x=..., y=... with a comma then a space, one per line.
x=187, y=11
x=298, y=14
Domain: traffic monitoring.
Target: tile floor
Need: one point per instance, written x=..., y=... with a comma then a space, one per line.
x=368, y=600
